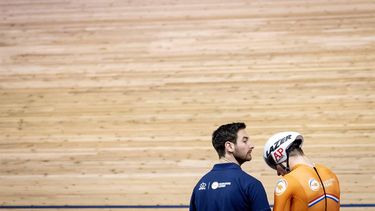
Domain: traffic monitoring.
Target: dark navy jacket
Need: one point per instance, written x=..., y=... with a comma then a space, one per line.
x=227, y=188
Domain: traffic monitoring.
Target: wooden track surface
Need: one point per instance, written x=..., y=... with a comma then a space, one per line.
x=114, y=102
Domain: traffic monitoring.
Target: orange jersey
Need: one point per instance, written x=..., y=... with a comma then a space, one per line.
x=301, y=190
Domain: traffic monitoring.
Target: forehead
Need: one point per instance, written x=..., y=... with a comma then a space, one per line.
x=242, y=133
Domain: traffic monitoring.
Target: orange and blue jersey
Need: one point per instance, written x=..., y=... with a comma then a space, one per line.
x=301, y=190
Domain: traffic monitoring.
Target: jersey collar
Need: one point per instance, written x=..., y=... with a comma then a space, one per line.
x=223, y=166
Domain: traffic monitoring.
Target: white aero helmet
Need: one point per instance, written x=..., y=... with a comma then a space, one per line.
x=276, y=147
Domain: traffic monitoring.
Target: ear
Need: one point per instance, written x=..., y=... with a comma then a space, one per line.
x=229, y=146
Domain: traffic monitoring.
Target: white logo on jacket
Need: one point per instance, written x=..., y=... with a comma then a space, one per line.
x=202, y=186
x=215, y=185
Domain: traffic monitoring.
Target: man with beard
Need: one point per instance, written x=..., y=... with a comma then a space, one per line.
x=227, y=187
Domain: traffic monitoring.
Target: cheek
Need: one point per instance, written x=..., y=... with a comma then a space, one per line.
x=242, y=148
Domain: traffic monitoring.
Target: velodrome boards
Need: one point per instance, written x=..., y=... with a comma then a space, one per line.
x=114, y=102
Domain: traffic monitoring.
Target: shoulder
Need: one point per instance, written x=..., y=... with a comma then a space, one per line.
x=325, y=169
x=247, y=177
x=204, y=179
x=250, y=183
x=281, y=186
x=326, y=172
x=287, y=182
x=322, y=167
x=292, y=176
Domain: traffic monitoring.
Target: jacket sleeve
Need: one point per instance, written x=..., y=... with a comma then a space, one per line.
x=282, y=195
x=258, y=197
x=192, y=206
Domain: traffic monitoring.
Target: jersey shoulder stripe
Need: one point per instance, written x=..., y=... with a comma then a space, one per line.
x=333, y=197
x=316, y=200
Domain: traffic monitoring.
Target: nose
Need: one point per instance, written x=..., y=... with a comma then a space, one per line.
x=251, y=145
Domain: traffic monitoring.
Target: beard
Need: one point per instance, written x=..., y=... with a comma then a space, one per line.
x=242, y=158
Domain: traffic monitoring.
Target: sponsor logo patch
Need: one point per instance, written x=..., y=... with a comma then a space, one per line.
x=314, y=185
x=216, y=185
x=328, y=182
x=202, y=186
x=281, y=186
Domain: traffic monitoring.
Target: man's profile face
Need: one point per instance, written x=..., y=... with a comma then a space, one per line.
x=243, y=147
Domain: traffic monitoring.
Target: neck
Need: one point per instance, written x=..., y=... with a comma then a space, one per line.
x=295, y=160
x=228, y=159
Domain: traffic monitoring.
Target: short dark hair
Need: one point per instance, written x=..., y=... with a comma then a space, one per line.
x=226, y=133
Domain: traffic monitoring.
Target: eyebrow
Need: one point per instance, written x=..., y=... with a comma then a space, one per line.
x=245, y=137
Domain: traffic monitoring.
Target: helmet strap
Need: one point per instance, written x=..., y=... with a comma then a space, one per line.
x=284, y=168
x=287, y=162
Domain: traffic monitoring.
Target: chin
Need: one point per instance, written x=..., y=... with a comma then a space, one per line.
x=249, y=158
